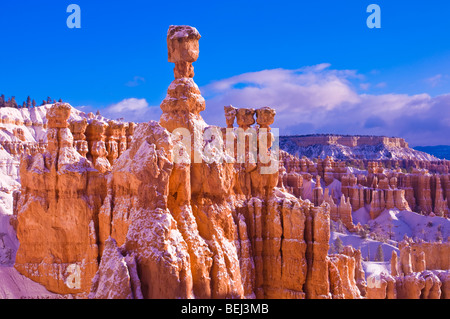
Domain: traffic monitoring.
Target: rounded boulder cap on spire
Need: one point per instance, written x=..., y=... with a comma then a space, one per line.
x=182, y=43
x=265, y=116
x=58, y=115
x=245, y=117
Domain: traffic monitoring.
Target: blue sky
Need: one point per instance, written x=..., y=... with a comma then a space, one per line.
x=117, y=61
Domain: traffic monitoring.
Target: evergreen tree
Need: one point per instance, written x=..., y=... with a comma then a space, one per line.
x=390, y=232
x=439, y=236
x=379, y=256
x=332, y=226
x=338, y=245
x=13, y=103
x=28, y=102
x=341, y=227
x=33, y=103
x=332, y=249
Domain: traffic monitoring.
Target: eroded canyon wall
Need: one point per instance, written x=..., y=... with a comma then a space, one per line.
x=181, y=209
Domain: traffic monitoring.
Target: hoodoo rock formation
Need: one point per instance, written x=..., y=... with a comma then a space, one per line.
x=62, y=190
x=23, y=132
x=181, y=209
x=55, y=212
x=411, y=277
x=377, y=189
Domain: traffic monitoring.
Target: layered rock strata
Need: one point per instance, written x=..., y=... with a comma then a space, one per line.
x=376, y=190
x=56, y=222
x=411, y=277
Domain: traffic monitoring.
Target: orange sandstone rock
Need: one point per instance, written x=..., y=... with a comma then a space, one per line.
x=317, y=236
x=165, y=222
x=116, y=277
x=346, y=268
x=55, y=216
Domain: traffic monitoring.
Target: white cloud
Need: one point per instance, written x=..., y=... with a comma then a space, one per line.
x=434, y=80
x=133, y=109
x=137, y=80
x=318, y=99
x=131, y=104
x=364, y=86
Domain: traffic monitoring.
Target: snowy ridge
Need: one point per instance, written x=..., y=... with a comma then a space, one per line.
x=33, y=122
x=392, y=225
x=342, y=152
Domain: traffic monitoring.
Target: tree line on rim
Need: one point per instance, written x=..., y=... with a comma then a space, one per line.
x=29, y=103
